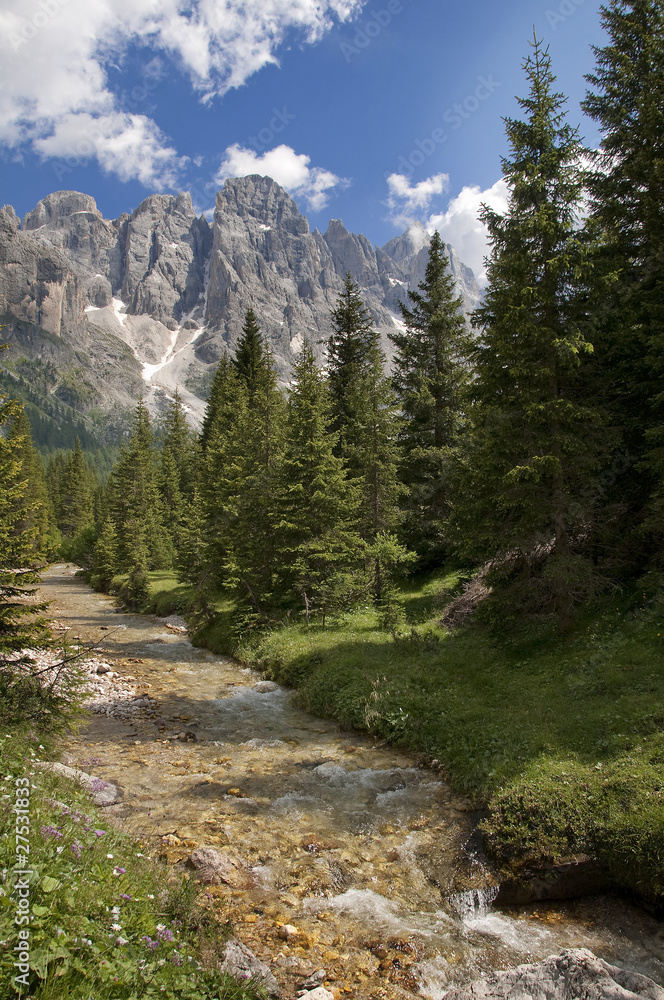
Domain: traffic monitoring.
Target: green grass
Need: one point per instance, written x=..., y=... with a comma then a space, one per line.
x=107, y=921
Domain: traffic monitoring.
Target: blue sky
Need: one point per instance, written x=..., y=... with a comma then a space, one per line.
x=376, y=113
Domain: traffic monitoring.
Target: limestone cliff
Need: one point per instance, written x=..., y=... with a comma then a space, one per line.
x=151, y=300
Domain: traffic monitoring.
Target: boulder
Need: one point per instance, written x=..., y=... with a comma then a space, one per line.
x=102, y=793
x=575, y=973
x=219, y=866
x=242, y=964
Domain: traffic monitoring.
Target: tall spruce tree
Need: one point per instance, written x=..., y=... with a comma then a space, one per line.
x=429, y=378
x=143, y=541
x=178, y=470
x=319, y=550
x=180, y=442
x=33, y=516
x=627, y=102
x=260, y=433
x=207, y=558
x=76, y=494
x=535, y=438
x=215, y=399
x=350, y=352
x=21, y=625
x=249, y=360
x=363, y=415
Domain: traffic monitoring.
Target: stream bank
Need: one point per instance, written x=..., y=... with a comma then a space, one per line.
x=362, y=850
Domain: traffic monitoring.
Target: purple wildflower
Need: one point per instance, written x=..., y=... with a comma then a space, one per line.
x=76, y=848
x=119, y=871
x=149, y=943
x=97, y=785
x=165, y=934
x=177, y=959
x=99, y=833
x=51, y=831
x=124, y=895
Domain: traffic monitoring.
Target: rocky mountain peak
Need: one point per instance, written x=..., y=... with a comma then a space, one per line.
x=152, y=299
x=158, y=206
x=405, y=247
x=261, y=199
x=59, y=206
x=8, y=218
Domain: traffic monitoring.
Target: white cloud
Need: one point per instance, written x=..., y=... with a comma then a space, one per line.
x=460, y=224
x=54, y=56
x=130, y=146
x=406, y=197
x=286, y=167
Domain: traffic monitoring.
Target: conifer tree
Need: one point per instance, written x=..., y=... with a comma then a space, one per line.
x=178, y=470
x=180, y=443
x=429, y=378
x=319, y=547
x=363, y=410
x=33, y=514
x=535, y=450
x=252, y=561
x=249, y=361
x=350, y=352
x=220, y=484
x=138, y=510
x=105, y=556
x=76, y=495
x=215, y=399
x=627, y=102
x=21, y=625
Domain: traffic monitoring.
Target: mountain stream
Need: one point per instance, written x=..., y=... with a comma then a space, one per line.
x=367, y=853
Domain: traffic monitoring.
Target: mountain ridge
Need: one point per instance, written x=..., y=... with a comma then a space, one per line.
x=150, y=301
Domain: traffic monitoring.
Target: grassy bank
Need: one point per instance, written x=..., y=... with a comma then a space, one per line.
x=561, y=738
x=107, y=922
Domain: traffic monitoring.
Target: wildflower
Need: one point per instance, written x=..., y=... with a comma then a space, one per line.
x=120, y=941
x=110, y=856
x=149, y=943
x=150, y=896
x=51, y=831
x=99, y=833
x=124, y=895
x=164, y=934
x=115, y=911
x=59, y=849
x=119, y=871
x=76, y=848
x=177, y=959
x=116, y=927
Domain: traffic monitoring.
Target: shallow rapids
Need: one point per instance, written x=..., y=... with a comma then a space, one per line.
x=368, y=854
